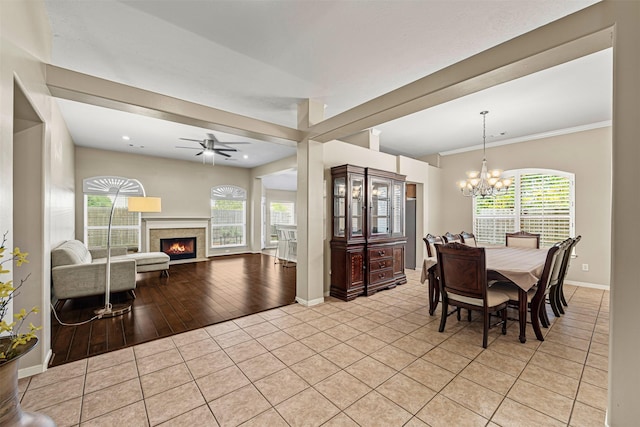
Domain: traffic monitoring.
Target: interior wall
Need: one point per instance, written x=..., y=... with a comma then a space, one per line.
x=586, y=154
x=25, y=43
x=183, y=186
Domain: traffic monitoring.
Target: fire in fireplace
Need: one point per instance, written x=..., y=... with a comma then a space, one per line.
x=179, y=248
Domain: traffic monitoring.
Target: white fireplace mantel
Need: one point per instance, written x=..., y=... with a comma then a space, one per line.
x=173, y=223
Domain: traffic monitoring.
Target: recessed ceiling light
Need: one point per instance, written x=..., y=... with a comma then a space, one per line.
x=125, y=137
x=245, y=157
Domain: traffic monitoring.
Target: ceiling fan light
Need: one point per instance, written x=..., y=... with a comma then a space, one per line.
x=208, y=153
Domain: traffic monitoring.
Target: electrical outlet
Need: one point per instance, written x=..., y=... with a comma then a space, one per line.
x=585, y=267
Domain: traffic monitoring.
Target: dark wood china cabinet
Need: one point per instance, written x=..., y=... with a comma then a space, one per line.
x=367, y=245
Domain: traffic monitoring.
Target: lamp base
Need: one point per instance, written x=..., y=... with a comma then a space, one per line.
x=115, y=310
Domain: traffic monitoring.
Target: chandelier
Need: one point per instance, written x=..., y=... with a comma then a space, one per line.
x=485, y=183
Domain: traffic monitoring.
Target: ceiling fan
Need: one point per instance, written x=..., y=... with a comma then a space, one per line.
x=211, y=146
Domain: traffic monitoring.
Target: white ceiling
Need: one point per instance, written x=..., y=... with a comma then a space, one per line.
x=261, y=58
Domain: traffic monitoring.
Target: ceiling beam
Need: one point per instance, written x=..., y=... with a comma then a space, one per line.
x=566, y=39
x=75, y=86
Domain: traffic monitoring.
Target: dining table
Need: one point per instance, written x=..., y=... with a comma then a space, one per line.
x=521, y=266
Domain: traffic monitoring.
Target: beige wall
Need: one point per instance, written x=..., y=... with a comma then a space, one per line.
x=25, y=43
x=586, y=154
x=185, y=187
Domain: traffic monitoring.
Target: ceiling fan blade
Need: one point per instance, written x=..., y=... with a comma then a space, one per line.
x=188, y=139
x=225, y=149
x=212, y=137
x=222, y=154
x=200, y=153
x=233, y=143
x=189, y=148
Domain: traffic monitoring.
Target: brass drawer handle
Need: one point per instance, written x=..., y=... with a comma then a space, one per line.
x=380, y=253
x=382, y=264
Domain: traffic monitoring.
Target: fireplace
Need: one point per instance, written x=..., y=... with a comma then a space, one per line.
x=179, y=247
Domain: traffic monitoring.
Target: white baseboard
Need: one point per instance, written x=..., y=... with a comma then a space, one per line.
x=37, y=369
x=309, y=303
x=588, y=285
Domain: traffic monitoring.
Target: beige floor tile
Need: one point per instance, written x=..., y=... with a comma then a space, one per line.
x=153, y=347
x=272, y=314
x=567, y=340
x=552, y=381
x=418, y=319
x=501, y=362
x=444, y=412
x=209, y=363
x=343, y=316
x=359, y=310
x=597, y=361
x=376, y=410
x=165, y=379
x=320, y=342
x=402, y=325
x=111, y=398
x=595, y=377
x=261, y=366
x=66, y=413
x=232, y=338
x=323, y=323
x=107, y=377
x=559, y=328
x=107, y=360
x=244, y=351
x=238, y=406
x=134, y=414
x=343, y=332
x=569, y=353
x=174, y=402
x=293, y=353
x=405, y=392
x=260, y=329
x=280, y=386
x=429, y=334
x=488, y=377
x=190, y=337
x=592, y=396
x=325, y=308
x=557, y=364
x=416, y=422
x=385, y=334
x=308, y=409
x=600, y=338
x=275, y=340
x=363, y=324
x=221, y=328
x=315, y=369
x=200, y=416
x=158, y=361
x=58, y=374
x=285, y=322
x=340, y=420
x=472, y=396
x=446, y=359
x=343, y=355
x=307, y=315
x=378, y=317
x=587, y=416
x=269, y=418
x=370, y=371
x=342, y=389
x=511, y=347
x=301, y=331
x=413, y=345
x=247, y=321
x=221, y=382
x=578, y=324
x=198, y=348
x=428, y=374
x=366, y=343
x=394, y=357
x=512, y=413
x=542, y=400
x=52, y=394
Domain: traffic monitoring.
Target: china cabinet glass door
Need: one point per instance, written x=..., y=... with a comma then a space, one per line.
x=357, y=205
x=339, y=207
x=380, y=209
x=398, y=209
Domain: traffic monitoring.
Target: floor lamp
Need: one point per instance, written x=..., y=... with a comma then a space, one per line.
x=137, y=202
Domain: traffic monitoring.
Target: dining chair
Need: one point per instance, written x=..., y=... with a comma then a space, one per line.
x=434, y=285
x=450, y=238
x=553, y=291
x=468, y=239
x=430, y=240
x=535, y=295
x=563, y=273
x=522, y=239
x=463, y=284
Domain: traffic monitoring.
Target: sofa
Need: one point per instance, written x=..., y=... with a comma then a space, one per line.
x=77, y=271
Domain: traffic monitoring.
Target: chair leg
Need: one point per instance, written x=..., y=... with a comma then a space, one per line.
x=535, y=318
x=562, y=299
x=558, y=297
x=469, y=315
x=443, y=319
x=504, y=321
x=544, y=318
x=458, y=313
x=485, y=329
x=553, y=301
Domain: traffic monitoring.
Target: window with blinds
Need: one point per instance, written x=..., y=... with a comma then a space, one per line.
x=228, y=216
x=539, y=201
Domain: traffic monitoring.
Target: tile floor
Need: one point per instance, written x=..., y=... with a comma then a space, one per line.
x=375, y=361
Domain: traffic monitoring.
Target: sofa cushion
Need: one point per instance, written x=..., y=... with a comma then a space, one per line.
x=70, y=252
x=148, y=258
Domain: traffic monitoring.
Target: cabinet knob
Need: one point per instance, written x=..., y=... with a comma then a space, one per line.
x=380, y=253
x=382, y=264
x=381, y=275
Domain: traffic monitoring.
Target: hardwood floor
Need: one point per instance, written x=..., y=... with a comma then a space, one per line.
x=194, y=295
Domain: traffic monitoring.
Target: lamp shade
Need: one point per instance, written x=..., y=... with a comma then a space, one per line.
x=144, y=204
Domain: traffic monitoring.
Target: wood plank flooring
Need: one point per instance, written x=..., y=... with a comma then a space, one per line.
x=194, y=295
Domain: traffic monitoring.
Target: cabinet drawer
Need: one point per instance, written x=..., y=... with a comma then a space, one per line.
x=382, y=252
x=380, y=276
x=380, y=264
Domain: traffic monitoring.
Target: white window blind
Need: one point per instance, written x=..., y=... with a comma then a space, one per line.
x=540, y=201
x=228, y=216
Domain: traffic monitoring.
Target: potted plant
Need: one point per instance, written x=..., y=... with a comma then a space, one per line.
x=14, y=344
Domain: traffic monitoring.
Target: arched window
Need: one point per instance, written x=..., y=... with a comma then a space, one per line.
x=99, y=193
x=228, y=216
x=539, y=201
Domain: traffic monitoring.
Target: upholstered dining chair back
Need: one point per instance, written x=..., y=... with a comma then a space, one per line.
x=430, y=240
x=450, y=238
x=468, y=239
x=522, y=239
